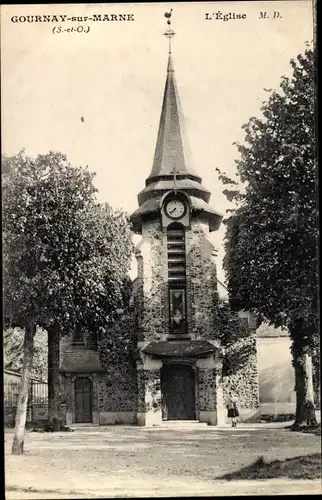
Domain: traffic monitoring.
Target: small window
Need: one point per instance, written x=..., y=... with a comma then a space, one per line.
x=78, y=336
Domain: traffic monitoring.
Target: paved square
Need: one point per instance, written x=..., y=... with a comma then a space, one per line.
x=133, y=461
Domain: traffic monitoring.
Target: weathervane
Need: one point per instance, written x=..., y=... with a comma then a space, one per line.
x=169, y=33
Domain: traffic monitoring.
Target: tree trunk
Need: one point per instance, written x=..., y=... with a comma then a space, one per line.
x=54, y=420
x=21, y=413
x=305, y=409
x=316, y=381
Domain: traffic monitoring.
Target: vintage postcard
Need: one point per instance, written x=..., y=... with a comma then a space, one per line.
x=127, y=371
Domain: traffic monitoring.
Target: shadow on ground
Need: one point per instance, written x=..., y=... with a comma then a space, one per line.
x=315, y=429
x=303, y=467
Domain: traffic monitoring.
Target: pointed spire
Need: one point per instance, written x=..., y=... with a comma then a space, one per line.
x=172, y=164
x=172, y=150
x=170, y=63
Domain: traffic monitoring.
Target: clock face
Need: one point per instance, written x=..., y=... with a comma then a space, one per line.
x=175, y=209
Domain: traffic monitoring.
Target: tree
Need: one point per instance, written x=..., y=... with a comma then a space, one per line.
x=60, y=248
x=92, y=275
x=13, y=351
x=271, y=238
x=23, y=286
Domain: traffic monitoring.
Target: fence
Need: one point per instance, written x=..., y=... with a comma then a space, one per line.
x=37, y=401
x=38, y=393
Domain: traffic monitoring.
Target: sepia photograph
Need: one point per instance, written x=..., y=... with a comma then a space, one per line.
x=160, y=249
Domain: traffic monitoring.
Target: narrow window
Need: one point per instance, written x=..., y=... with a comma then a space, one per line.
x=177, y=277
x=78, y=336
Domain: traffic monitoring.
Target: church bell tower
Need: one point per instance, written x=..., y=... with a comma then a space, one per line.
x=179, y=366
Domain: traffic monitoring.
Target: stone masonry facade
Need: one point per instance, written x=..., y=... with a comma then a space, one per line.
x=169, y=358
x=126, y=385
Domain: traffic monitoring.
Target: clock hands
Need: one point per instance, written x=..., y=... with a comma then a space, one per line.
x=175, y=208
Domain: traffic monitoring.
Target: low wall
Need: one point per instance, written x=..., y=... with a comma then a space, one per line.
x=39, y=413
x=9, y=415
x=36, y=413
x=114, y=417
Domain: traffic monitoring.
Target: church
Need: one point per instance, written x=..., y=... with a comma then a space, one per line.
x=179, y=368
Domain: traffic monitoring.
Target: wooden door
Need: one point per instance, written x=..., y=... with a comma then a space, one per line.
x=178, y=392
x=83, y=400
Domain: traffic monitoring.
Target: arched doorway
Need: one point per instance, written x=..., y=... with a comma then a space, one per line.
x=178, y=392
x=83, y=400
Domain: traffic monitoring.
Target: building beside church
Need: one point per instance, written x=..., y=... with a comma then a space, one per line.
x=179, y=367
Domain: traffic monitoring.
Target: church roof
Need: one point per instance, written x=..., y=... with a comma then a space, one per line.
x=83, y=361
x=198, y=205
x=166, y=184
x=172, y=150
x=172, y=157
x=172, y=166
x=180, y=348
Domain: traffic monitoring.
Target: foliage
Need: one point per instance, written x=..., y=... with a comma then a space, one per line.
x=104, y=285
x=13, y=351
x=271, y=240
x=66, y=259
x=72, y=254
x=118, y=343
x=41, y=197
x=228, y=325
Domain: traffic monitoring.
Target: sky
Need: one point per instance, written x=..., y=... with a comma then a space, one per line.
x=113, y=76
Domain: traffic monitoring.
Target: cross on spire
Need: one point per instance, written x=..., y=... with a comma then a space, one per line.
x=169, y=33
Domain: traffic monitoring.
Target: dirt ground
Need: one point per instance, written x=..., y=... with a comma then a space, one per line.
x=122, y=461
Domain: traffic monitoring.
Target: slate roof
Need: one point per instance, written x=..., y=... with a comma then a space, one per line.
x=153, y=206
x=180, y=348
x=173, y=159
x=172, y=148
x=80, y=361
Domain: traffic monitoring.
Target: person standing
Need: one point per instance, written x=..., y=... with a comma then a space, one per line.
x=233, y=412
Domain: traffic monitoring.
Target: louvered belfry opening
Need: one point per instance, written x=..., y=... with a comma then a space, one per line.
x=177, y=277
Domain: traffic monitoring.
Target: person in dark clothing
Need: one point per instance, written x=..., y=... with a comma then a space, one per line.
x=233, y=412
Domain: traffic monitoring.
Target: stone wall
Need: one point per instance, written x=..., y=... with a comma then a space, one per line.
x=149, y=390
x=119, y=387
x=9, y=415
x=149, y=410
x=239, y=358
x=35, y=414
x=88, y=342
x=202, y=296
x=118, y=390
x=240, y=373
x=207, y=390
x=153, y=319
x=118, y=383
x=39, y=413
x=151, y=291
